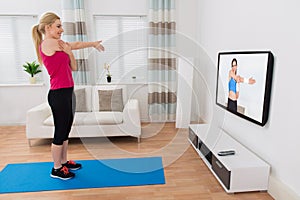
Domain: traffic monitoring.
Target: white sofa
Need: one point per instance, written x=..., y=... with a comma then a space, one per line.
x=91, y=122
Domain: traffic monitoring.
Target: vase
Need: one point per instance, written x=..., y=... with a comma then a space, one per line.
x=32, y=80
x=108, y=78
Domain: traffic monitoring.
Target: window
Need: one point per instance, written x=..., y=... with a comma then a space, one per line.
x=125, y=42
x=16, y=47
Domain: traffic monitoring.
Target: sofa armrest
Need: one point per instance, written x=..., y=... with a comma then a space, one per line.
x=35, y=118
x=132, y=118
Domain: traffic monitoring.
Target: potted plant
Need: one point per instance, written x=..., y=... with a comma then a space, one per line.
x=108, y=75
x=32, y=69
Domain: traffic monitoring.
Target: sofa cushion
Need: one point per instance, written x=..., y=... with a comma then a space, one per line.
x=111, y=100
x=103, y=118
x=81, y=104
x=95, y=94
x=92, y=118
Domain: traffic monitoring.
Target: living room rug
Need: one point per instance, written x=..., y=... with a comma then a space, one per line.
x=35, y=177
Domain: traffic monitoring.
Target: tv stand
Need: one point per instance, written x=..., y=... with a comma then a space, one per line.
x=241, y=172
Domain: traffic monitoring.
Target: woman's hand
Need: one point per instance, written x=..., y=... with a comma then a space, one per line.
x=97, y=45
x=65, y=46
x=251, y=81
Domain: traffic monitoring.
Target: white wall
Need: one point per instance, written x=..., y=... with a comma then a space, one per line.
x=188, y=47
x=118, y=7
x=16, y=100
x=258, y=25
x=29, y=7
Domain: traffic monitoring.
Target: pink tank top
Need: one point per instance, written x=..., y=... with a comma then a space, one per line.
x=59, y=70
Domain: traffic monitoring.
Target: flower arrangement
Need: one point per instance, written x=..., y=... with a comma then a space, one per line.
x=108, y=75
x=107, y=67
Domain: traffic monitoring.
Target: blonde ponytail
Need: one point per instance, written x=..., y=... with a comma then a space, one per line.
x=37, y=40
x=38, y=31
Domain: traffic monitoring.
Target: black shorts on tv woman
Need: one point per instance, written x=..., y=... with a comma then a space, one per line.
x=232, y=105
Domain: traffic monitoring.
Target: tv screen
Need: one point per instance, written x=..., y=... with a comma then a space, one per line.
x=244, y=82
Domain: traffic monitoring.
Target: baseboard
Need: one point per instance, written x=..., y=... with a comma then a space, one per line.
x=196, y=119
x=12, y=124
x=280, y=191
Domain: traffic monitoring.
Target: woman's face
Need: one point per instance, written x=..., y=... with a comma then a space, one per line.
x=234, y=66
x=55, y=30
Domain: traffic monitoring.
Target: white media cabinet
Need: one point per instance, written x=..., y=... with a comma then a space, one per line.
x=241, y=172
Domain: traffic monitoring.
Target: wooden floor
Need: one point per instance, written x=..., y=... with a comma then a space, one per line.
x=187, y=177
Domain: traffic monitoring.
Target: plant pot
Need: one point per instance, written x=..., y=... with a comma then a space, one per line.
x=32, y=80
x=108, y=78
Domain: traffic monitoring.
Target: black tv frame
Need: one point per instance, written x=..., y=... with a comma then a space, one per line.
x=268, y=86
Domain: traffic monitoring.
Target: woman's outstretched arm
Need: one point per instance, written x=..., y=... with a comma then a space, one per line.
x=81, y=45
x=247, y=80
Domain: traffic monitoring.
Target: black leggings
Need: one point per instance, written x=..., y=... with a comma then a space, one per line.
x=62, y=103
x=232, y=105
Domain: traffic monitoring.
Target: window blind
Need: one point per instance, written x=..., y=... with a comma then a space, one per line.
x=16, y=47
x=125, y=42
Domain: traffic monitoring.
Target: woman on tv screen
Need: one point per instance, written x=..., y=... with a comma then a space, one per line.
x=233, y=86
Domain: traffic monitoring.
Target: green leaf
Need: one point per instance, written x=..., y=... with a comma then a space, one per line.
x=32, y=68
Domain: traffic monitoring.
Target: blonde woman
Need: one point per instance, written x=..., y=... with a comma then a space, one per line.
x=57, y=56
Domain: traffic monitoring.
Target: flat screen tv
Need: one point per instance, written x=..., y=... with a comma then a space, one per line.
x=244, y=81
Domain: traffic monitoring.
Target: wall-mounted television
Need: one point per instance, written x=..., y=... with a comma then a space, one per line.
x=244, y=81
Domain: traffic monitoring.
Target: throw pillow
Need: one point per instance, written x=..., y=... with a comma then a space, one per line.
x=80, y=100
x=111, y=100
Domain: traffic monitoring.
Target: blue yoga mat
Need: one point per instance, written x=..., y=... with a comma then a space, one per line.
x=34, y=177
